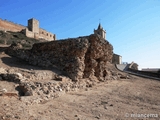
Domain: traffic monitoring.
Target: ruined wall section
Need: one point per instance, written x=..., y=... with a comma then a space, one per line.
x=10, y=26
x=79, y=58
x=68, y=55
x=98, y=55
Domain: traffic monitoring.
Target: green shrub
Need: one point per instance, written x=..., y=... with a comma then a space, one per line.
x=27, y=46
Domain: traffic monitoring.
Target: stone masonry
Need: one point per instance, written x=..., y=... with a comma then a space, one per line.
x=78, y=58
x=32, y=30
x=117, y=59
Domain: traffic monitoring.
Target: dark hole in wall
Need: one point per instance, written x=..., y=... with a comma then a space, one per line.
x=104, y=73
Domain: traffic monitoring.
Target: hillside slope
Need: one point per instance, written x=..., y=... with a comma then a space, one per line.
x=7, y=38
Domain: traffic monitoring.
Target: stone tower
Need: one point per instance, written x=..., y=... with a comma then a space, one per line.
x=100, y=31
x=33, y=25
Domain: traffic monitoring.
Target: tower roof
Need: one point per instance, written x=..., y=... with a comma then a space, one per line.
x=99, y=26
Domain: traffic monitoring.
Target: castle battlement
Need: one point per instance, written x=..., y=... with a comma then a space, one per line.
x=10, y=22
x=32, y=30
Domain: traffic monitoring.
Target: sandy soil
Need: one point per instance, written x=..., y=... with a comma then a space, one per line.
x=112, y=100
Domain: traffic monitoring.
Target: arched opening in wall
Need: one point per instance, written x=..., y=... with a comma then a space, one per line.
x=50, y=35
x=42, y=32
x=47, y=34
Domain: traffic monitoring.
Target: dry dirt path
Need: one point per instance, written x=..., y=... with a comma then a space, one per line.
x=112, y=100
x=108, y=101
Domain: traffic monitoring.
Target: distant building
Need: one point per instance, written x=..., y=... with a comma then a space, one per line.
x=32, y=30
x=100, y=31
x=133, y=66
x=116, y=59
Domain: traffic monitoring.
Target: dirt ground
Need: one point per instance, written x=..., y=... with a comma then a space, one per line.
x=112, y=100
x=126, y=99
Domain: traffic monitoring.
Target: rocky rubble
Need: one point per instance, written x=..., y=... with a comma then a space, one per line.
x=40, y=89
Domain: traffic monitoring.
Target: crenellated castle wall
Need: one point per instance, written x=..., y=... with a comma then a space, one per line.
x=10, y=26
x=44, y=34
x=41, y=34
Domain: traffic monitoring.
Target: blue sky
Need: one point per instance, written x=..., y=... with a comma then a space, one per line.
x=132, y=26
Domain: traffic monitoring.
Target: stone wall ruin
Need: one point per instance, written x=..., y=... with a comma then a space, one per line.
x=79, y=58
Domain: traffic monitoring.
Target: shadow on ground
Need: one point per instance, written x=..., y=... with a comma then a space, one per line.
x=18, y=63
